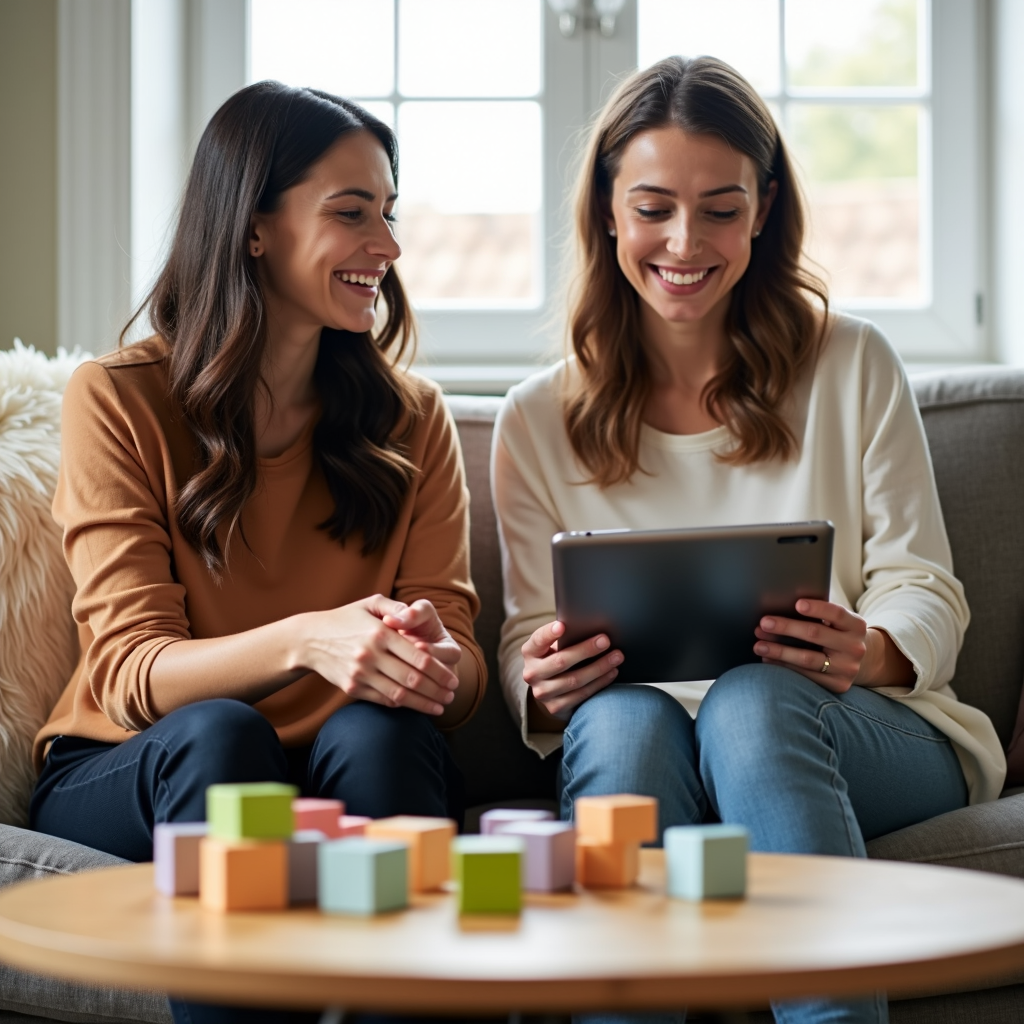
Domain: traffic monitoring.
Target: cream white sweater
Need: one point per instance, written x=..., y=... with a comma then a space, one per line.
x=863, y=463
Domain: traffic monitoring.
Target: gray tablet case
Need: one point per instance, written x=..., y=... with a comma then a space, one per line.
x=683, y=604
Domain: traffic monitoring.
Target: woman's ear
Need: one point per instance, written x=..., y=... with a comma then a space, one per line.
x=765, y=206
x=257, y=236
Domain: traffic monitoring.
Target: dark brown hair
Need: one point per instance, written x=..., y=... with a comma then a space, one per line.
x=772, y=321
x=208, y=306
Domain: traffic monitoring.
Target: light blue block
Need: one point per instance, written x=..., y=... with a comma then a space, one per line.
x=706, y=861
x=362, y=876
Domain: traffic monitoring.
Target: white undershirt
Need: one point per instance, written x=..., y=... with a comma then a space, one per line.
x=863, y=463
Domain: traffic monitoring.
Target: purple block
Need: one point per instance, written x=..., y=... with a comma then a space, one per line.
x=176, y=854
x=302, y=847
x=490, y=821
x=550, y=861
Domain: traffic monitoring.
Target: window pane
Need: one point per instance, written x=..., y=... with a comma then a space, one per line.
x=743, y=33
x=861, y=175
x=836, y=42
x=469, y=47
x=469, y=223
x=346, y=47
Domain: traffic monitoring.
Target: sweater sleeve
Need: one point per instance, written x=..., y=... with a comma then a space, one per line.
x=111, y=502
x=909, y=587
x=527, y=520
x=435, y=559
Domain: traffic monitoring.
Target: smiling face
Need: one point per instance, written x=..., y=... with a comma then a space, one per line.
x=684, y=209
x=322, y=253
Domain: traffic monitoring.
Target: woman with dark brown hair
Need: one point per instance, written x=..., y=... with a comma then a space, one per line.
x=265, y=517
x=710, y=385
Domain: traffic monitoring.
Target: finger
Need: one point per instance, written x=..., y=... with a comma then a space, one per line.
x=835, y=614
x=411, y=678
x=540, y=640
x=558, y=663
x=567, y=682
x=448, y=653
x=813, y=632
x=810, y=661
x=417, y=615
x=407, y=651
x=559, y=706
x=834, y=684
x=398, y=696
x=380, y=606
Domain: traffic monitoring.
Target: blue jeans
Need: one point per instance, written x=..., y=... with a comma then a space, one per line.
x=805, y=770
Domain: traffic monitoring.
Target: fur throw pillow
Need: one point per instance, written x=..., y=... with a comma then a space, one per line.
x=38, y=639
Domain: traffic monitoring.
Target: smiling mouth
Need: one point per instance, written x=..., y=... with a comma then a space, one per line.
x=690, y=277
x=360, y=280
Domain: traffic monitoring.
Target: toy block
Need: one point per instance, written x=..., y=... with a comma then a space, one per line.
x=488, y=873
x=245, y=875
x=176, y=856
x=320, y=815
x=250, y=810
x=706, y=861
x=623, y=818
x=428, y=840
x=302, y=865
x=606, y=865
x=550, y=860
x=352, y=825
x=491, y=821
x=362, y=875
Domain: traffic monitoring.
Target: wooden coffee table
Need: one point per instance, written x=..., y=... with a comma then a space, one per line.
x=810, y=926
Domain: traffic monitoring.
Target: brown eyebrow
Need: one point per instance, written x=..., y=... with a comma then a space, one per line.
x=657, y=189
x=361, y=193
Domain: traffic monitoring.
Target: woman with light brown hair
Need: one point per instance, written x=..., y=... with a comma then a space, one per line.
x=710, y=384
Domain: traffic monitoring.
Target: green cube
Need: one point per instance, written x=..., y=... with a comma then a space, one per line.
x=706, y=861
x=362, y=876
x=250, y=810
x=488, y=873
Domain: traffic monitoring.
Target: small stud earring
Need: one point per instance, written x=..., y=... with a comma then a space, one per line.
x=612, y=232
x=756, y=233
x=256, y=250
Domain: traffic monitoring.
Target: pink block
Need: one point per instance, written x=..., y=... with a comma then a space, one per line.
x=490, y=821
x=318, y=815
x=302, y=855
x=176, y=855
x=352, y=825
x=550, y=861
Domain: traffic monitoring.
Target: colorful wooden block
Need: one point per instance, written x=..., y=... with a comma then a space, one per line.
x=549, y=863
x=352, y=825
x=243, y=875
x=362, y=875
x=606, y=865
x=488, y=873
x=622, y=818
x=706, y=861
x=491, y=821
x=250, y=810
x=428, y=840
x=320, y=815
x=302, y=865
x=176, y=856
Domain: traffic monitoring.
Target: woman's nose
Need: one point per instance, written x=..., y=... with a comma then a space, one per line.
x=683, y=241
x=383, y=242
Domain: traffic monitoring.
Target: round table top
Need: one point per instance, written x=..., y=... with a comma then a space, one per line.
x=809, y=926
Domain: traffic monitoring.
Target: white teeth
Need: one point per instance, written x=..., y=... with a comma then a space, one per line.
x=676, y=278
x=363, y=279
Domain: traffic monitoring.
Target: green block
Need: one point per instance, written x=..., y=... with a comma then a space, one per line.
x=488, y=873
x=362, y=876
x=250, y=810
x=706, y=861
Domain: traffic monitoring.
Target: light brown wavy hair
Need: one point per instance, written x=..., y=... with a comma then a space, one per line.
x=778, y=312
x=208, y=306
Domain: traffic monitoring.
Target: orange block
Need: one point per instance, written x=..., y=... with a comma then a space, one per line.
x=623, y=818
x=244, y=875
x=429, y=841
x=606, y=865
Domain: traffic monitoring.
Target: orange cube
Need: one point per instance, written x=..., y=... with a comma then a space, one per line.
x=623, y=818
x=606, y=865
x=429, y=842
x=243, y=875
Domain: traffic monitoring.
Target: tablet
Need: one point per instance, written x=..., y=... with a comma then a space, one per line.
x=682, y=604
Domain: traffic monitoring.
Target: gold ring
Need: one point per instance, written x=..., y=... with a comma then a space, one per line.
x=824, y=668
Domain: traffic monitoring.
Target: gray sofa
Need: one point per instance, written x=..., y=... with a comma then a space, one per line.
x=975, y=425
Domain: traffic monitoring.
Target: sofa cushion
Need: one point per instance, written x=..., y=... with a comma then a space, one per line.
x=496, y=763
x=25, y=855
x=974, y=420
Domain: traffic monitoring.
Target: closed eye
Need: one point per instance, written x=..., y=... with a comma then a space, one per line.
x=723, y=214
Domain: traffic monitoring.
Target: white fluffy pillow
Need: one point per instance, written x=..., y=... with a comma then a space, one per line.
x=38, y=641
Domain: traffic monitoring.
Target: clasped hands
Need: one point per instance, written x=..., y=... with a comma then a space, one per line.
x=560, y=680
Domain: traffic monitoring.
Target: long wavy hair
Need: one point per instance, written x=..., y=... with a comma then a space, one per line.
x=208, y=306
x=778, y=310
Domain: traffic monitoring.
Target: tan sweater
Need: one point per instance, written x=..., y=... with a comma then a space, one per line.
x=141, y=586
